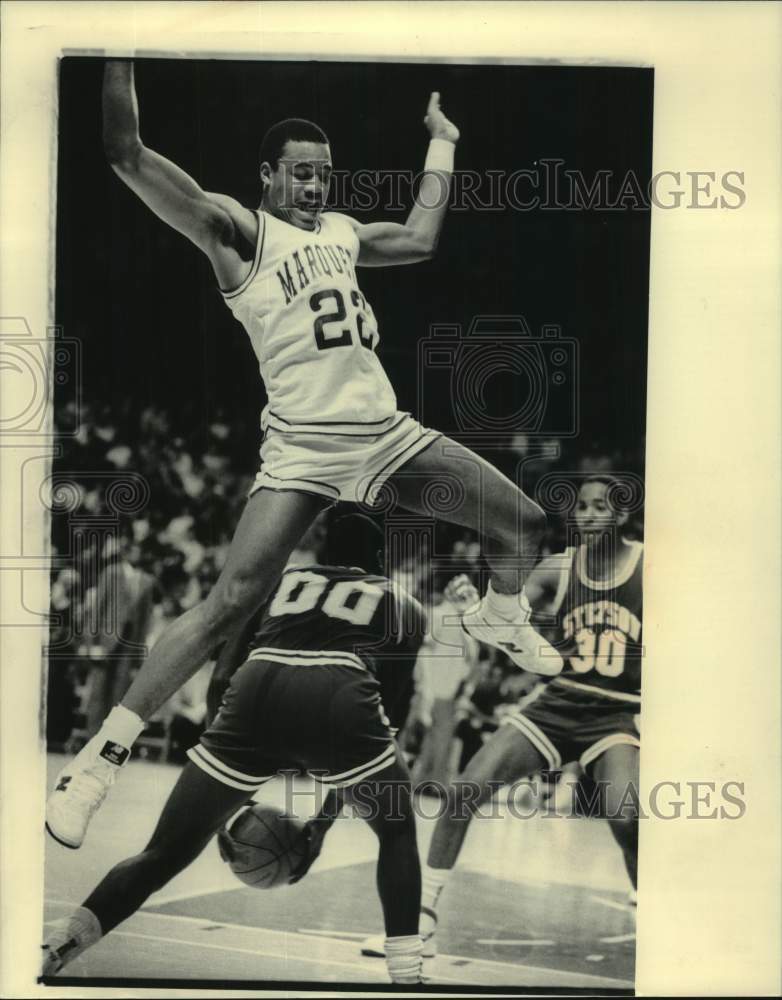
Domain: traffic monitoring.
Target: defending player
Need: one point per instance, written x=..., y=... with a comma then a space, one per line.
x=306, y=697
x=332, y=430
x=589, y=712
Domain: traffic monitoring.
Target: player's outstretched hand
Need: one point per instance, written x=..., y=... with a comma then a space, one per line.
x=461, y=593
x=439, y=126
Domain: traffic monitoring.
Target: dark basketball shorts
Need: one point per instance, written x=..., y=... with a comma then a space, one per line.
x=566, y=726
x=317, y=712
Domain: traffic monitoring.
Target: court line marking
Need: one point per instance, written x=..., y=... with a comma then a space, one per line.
x=526, y=941
x=178, y=897
x=363, y=967
x=494, y=963
x=625, y=907
x=617, y=938
x=320, y=932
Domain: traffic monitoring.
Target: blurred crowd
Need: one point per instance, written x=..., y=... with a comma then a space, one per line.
x=144, y=503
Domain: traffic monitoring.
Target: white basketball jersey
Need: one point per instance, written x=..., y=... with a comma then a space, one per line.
x=312, y=330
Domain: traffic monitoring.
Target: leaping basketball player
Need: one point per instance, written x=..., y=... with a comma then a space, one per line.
x=332, y=432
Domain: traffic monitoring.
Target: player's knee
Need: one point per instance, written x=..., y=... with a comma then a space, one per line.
x=466, y=796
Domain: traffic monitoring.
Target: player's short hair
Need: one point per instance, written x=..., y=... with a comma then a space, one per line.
x=289, y=130
x=355, y=539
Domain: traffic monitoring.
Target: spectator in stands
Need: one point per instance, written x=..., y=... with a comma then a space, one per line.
x=117, y=623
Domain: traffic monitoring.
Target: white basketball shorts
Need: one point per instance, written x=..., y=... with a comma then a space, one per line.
x=350, y=467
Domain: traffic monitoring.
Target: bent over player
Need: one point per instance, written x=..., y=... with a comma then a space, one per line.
x=307, y=697
x=589, y=713
x=332, y=432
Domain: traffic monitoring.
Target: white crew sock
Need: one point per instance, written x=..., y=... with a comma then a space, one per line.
x=507, y=606
x=120, y=730
x=404, y=958
x=432, y=882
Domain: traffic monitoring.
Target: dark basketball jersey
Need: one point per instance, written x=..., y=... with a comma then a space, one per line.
x=337, y=608
x=600, y=622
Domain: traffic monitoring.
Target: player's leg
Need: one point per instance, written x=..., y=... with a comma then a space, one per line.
x=269, y=528
x=616, y=772
x=195, y=810
x=455, y=484
x=506, y=756
x=397, y=688
x=510, y=523
x=385, y=802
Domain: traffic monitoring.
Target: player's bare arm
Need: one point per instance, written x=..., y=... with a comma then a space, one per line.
x=218, y=225
x=542, y=584
x=385, y=243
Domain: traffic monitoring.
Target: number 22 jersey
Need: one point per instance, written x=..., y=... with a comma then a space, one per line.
x=312, y=330
x=601, y=624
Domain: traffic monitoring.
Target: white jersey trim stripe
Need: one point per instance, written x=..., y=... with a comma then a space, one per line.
x=307, y=658
x=234, y=292
x=615, y=581
x=564, y=579
x=634, y=699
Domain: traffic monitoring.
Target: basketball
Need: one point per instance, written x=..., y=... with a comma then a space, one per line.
x=263, y=846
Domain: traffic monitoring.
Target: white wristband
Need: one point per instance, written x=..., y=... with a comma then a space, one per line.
x=439, y=156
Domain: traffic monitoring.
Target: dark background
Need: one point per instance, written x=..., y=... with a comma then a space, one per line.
x=143, y=300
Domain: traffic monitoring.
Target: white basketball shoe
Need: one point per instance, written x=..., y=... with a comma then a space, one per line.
x=79, y=791
x=68, y=939
x=517, y=637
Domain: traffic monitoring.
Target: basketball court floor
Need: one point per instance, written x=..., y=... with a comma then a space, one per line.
x=538, y=903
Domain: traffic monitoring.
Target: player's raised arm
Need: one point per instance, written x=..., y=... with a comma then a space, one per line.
x=171, y=194
x=384, y=243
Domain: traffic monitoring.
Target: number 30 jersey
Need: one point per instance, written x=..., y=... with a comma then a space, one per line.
x=601, y=624
x=312, y=330
x=338, y=611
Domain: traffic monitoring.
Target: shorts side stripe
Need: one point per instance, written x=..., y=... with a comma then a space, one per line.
x=633, y=699
x=389, y=751
x=537, y=738
x=373, y=429
x=292, y=486
x=315, y=658
x=385, y=760
x=247, y=784
x=426, y=439
x=296, y=479
x=614, y=740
